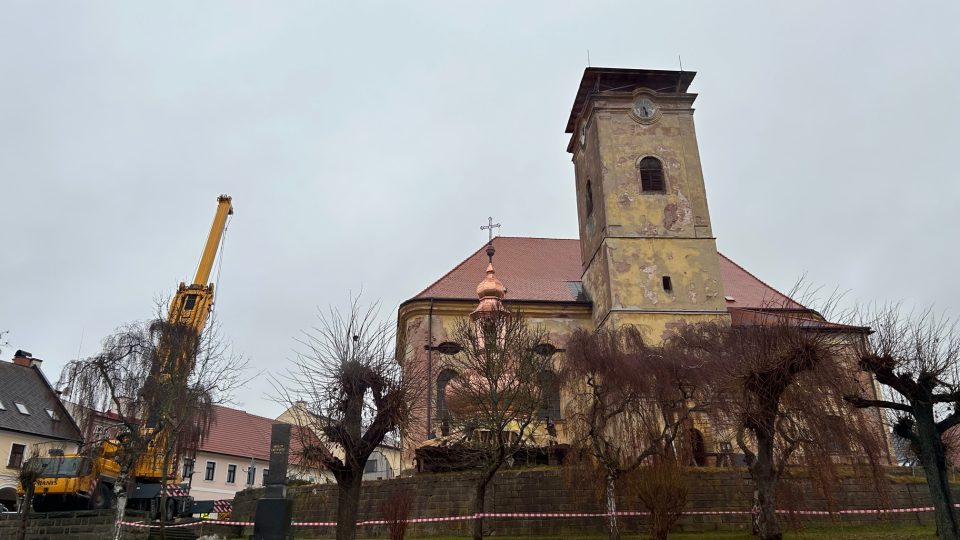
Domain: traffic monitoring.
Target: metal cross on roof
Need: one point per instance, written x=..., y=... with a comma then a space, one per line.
x=489, y=227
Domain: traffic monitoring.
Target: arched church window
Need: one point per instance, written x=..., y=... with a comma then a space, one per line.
x=550, y=389
x=589, y=198
x=443, y=380
x=651, y=175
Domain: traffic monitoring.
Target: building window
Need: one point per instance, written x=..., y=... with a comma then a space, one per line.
x=550, y=390
x=370, y=466
x=231, y=474
x=21, y=407
x=211, y=470
x=53, y=414
x=2, y=408
x=265, y=472
x=16, y=455
x=651, y=175
x=188, y=468
x=251, y=475
x=589, y=198
x=667, y=284
x=443, y=414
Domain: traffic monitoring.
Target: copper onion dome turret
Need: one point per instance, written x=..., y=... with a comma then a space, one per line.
x=490, y=291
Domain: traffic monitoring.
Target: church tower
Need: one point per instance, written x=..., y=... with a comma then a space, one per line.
x=648, y=250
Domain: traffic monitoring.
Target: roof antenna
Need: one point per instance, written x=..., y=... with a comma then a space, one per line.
x=680, y=77
x=588, y=57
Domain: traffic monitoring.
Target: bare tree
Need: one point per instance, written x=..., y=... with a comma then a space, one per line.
x=346, y=392
x=161, y=381
x=662, y=486
x=629, y=403
x=916, y=359
x=27, y=478
x=494, y=396
x=780, y=386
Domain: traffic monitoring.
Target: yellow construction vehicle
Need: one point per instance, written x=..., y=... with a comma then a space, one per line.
x=86, y=480
x=75, y=480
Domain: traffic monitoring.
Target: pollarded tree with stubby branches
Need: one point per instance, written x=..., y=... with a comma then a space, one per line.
x=495, y=396
x=917, y=359
x=780, y=381
x=161, y=381
x=629, y=403
x=346, y=392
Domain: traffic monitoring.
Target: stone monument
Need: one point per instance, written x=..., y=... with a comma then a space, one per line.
x=274, y=510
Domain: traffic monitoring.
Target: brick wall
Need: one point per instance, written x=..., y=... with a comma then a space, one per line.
x=543, y=490
x=79, y=525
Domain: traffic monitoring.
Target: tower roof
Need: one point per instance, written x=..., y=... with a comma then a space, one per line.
x=599, y=79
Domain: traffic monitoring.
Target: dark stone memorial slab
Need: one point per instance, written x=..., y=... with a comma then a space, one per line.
x=274, y=511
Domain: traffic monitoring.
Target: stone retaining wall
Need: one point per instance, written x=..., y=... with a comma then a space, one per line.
x=78, y=525
x=544, y=490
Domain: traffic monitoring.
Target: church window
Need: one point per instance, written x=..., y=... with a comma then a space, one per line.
x=589, y=198
x=667, y=284
x=443, y=380
x=550, y=405
x=449, y=348
x=651, y=175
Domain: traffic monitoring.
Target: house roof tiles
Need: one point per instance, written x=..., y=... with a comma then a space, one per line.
x=26, y=386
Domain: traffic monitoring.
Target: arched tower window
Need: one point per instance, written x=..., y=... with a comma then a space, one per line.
x=651, y=175
x=589, y=198
x=443, y=413
x=550, y=406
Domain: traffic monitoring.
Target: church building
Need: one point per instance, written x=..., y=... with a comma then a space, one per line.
x=646, y=255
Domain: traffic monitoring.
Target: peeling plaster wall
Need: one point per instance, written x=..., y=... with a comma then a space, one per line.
x=637, y=238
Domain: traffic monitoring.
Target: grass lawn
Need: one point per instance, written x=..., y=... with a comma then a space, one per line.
x=866, y=532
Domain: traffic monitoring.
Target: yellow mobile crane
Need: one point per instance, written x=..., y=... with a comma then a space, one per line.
x=82, y=480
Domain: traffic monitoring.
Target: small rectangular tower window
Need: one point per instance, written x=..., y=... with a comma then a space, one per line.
x=667, y=285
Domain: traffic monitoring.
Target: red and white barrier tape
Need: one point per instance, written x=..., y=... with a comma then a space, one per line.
x=548, y=515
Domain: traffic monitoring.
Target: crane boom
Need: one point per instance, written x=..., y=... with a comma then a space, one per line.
x=224, y=209
x=191, y=304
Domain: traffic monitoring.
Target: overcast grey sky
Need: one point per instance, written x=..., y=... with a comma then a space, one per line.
x=356, y=138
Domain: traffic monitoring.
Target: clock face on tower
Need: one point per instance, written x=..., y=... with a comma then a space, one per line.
x=645, y=108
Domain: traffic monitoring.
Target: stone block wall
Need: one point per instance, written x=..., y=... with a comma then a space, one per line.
x=78, y=525
x=544, y=490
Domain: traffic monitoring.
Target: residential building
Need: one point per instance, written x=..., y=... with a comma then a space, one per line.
x=33, y=421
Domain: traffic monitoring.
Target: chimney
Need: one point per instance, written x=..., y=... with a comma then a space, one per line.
x=22, y=358
x=25, y=359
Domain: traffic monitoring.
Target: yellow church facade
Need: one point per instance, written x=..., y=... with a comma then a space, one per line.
x=646, y=254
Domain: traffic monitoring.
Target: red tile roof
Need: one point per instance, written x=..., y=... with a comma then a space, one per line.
x=549, y=269
x=238, y=433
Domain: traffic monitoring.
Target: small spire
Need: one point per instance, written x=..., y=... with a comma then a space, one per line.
x=490, y=291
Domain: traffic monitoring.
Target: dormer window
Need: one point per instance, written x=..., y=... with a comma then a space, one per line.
x=52, y=414
x=21, y=407
x=2, y=408
x=651, y=175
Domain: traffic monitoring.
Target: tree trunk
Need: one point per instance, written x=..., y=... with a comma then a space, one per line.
x=164, y=496
x=764, y=476
x=120, y=490
x=933, y=459
x=25, y=511
x=480, y=500
x=348, y=502
x=611, y=494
